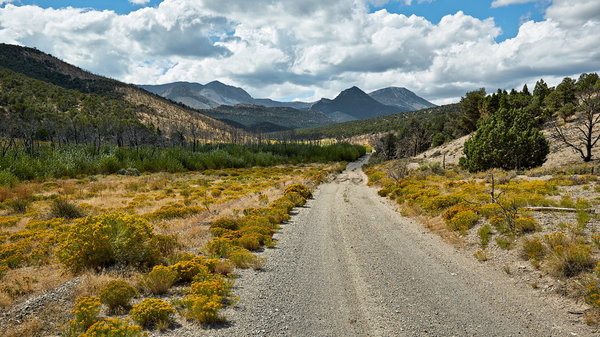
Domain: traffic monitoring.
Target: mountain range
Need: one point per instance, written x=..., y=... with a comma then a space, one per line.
x=237, y=107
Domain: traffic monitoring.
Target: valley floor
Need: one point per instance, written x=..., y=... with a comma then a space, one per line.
x=350, y=265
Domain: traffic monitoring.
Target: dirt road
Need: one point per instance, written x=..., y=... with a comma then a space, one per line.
x=349, y=265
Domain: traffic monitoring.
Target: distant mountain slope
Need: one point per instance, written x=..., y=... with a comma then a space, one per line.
x=353, y=104
x=214, y=94
x=401, y=97
x=149, y=109
x=185, y=95
x=381, y=124
x=258, y=118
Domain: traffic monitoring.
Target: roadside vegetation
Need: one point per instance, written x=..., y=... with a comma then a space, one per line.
x=148, y=246
x=498, y=203
x=548, y=217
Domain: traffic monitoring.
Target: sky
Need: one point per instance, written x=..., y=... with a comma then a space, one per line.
x=308, y=49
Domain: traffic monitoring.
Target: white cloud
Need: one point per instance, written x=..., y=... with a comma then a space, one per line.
x=310, y=48
x=139, y=2
x=502, y=3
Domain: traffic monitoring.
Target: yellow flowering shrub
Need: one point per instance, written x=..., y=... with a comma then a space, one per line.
x=296, y=198
x=113, y=327
x=569, y=261
x=9, y=220
x=152, y=311
x=284, y=204
x=187, y=270
x=525, y=225
x=300, y=189
x=85, y=313
x=463, y=221
x=117, y=294
x=174, y=211
x=104, y=240
x=202, y=308
x=159, y=280
x=219, y=247
x=45, y=224
x=211, y=286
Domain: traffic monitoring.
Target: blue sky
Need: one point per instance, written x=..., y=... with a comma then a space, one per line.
x=508, y=18
x=308, y=49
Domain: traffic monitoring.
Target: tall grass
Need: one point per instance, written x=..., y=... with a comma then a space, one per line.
x=78, y=160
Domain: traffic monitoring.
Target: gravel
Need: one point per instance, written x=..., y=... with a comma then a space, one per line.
x=349, y=265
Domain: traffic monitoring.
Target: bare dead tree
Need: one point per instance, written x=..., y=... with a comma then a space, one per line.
x=587, y=123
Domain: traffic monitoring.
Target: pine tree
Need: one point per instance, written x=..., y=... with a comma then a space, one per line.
x=509, y=139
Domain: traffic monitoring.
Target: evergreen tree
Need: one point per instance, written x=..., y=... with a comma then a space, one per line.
x=509, y=140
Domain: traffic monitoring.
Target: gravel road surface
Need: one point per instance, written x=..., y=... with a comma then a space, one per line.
x=348, y=264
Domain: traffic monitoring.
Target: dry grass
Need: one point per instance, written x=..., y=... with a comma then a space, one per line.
x=24, y=282
x=438, y=226
x=31, y=328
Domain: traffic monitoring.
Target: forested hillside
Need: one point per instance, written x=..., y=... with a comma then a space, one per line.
x=69, y=90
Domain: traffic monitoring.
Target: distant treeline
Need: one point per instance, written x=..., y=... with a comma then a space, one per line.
x=75, y=160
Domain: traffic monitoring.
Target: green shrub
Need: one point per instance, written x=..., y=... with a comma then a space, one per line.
x=533, y=249
x=113, y=327
x=508, y=139
x=117, y=294
x=159, y=280
x=8, y=179
x=243, y=258
x=571, y=260
x=225, y=223
x=525, y=225
x=18, y=205
x=484, y=235
x=62, y=208
x=109, y=239
x=152, y=312
x=505, y=242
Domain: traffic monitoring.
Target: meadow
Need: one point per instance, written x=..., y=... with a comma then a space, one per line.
x=142, y=250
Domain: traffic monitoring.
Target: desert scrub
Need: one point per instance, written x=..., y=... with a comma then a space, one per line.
x=110, y=239
x=533, y=249
x=481, y=255
x=210, y=286
x=113, y=327
x=152, y=312
x=220, y=247
x=201, y=308
x=300, y=189
x=463, y=221
x=244, y=259
x=9, y=221
x=85, y=313
x=117, y=294
x=62, y=208
x=187, y=270
x=571, y=260
x=174, y=211
x=525, y=225
x=485, y=232
x=159, y=280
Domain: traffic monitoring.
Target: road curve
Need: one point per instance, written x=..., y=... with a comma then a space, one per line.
x=349, y=265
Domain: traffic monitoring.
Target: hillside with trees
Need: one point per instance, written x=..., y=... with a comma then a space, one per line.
x=171, y=121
